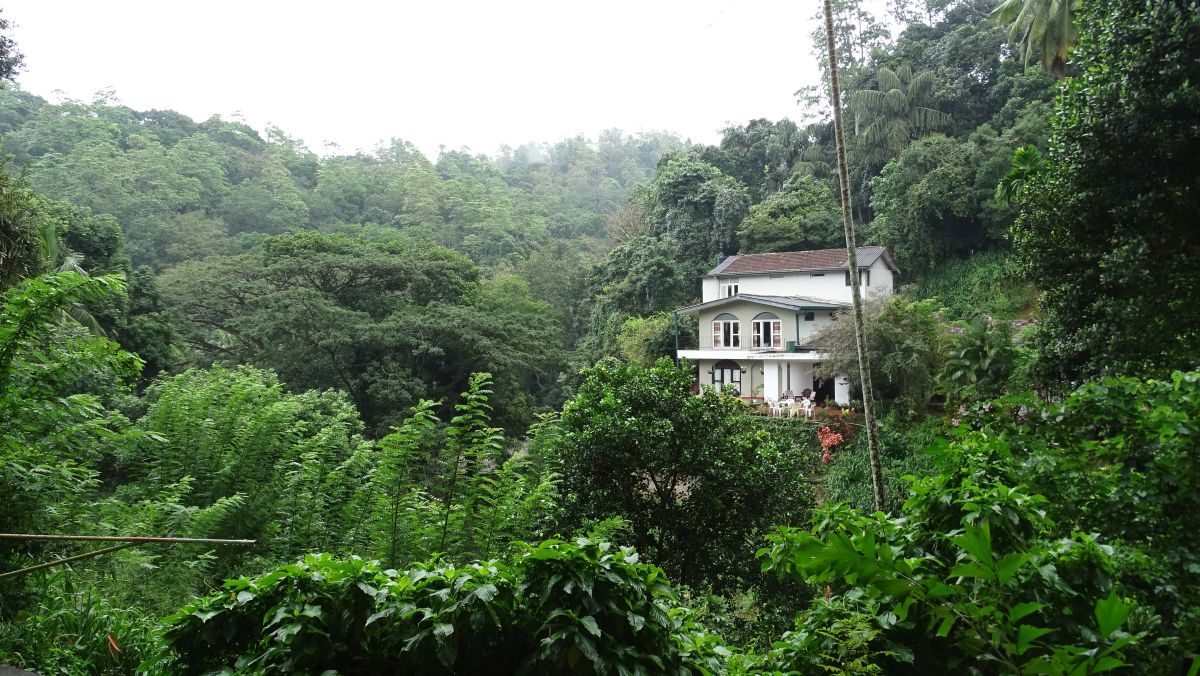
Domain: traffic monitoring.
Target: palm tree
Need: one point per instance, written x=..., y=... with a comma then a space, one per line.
x=1027, y=164
x=860, y=334
x=1045, y=31
x=58, y=258
x=895, y=114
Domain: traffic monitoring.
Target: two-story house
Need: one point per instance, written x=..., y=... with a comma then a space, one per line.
x=759, y=312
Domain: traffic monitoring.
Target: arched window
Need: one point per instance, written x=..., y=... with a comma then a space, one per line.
x=727, y=372
x=766, y=331
x=726, y=331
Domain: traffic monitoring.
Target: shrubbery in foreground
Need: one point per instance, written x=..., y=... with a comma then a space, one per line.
x=560, y=607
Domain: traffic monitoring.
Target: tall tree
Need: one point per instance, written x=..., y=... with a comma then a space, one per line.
x=1044, y=30
x=11, y=60
x=889, y=118
x=699, y=206
x=1110, y=227
x=694, y=476
x=864, y=364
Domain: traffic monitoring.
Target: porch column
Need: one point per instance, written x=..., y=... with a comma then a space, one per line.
x=841, y=390
x=770, y=379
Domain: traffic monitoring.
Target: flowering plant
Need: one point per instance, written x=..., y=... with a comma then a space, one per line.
x=829, y=441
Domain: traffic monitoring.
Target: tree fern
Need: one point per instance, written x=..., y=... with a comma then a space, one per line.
x=393, y=480
x=474, y=447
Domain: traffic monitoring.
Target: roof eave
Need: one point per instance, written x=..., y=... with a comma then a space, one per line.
x=793, y=307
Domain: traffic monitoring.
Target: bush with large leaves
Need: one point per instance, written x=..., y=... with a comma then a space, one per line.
x=53, y=427
x=981, y=565
x=585, y=607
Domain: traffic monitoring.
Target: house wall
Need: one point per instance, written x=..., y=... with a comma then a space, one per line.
x=793, y=376
x=746, y=312
x=827, y=285
x=883, y=280
x=751, y=380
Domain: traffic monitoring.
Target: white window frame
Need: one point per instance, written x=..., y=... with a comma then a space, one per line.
x=774, y=334
x=728, y=287
x=727, y=376
x=721, y=327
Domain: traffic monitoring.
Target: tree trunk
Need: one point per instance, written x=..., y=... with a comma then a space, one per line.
x=860, y=333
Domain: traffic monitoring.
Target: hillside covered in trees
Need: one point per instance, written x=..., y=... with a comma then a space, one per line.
x=438, y=392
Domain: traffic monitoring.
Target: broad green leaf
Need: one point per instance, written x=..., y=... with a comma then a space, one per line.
x=1009, y=565
x=1023, y=610
x=946, y=625
x=589, y=623
x=977, y=541
x=486, y=592
x=1111, y=613
x=1028, y=633
x=1107, y=664
x=971, y=570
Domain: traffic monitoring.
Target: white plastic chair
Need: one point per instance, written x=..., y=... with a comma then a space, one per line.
x=807, y=406
x=773, y=407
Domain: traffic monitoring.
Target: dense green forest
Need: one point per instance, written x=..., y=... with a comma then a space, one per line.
x=438, y=393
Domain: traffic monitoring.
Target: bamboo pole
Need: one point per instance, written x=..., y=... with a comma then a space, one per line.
x=123, y=538
x=69, y=559
x=126, y=543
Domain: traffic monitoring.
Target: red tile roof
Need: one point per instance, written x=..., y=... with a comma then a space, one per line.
x=819, y=259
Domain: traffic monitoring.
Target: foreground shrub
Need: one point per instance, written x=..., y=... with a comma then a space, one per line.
x=698, y=481
x=75, y=629
x=1052, y=538
x=583, y=607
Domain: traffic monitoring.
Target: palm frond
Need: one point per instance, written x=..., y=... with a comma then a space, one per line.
x=870, y=100
x=888, y=79
x=925, y=119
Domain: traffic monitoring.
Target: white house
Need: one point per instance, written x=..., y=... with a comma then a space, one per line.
x=759, y=312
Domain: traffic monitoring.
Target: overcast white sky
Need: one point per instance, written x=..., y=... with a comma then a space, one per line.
x=453, y=73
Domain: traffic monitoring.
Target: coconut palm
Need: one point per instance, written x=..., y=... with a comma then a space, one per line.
x=889, y=118
x=1044, y=30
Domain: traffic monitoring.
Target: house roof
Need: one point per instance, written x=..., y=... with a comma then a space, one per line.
x=798, y=261
x=793, y=303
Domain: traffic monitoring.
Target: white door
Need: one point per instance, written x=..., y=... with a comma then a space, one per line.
x=771, y=380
